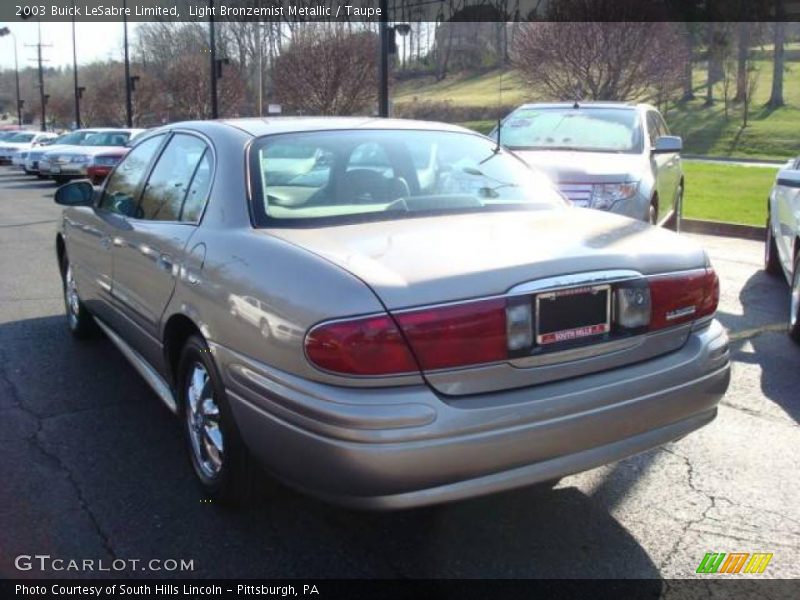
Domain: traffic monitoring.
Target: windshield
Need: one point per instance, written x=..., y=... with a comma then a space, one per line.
x=388, y=174
x=584, y=129
x=21, y=137
x=107, y=138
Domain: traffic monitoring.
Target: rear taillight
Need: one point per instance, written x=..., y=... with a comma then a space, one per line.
x=441, y=337
x=366, y=346
x=487, y=331
x=683, y=297
x=457, y=335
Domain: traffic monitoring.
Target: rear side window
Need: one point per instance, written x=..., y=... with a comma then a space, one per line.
x=198, y=190
x=167, y=187
x=120, y=191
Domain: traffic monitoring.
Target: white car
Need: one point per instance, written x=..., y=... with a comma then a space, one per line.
x=782, y=245
x=65, y=162
x=24, y=140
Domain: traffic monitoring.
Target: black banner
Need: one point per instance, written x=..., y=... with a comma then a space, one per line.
x=712, y=586
x=400, y=10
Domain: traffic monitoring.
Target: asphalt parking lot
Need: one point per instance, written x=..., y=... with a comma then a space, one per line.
x=93, y=467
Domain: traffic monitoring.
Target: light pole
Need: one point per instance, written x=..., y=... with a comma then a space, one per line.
x=128, y=103
x=383, y=61
x=214, y=67
x=75, y=75
x=7, y=31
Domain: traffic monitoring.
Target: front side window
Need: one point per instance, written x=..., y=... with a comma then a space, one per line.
x=169, y=182
x=119, y=195
x=585, y=129
x=387, y=174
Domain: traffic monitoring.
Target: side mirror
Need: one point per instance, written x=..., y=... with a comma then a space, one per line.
x=789, y=178
x=668, y=143
x=76, y=193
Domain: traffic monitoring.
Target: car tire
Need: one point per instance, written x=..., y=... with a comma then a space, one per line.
x=266, y=331
x=60, y=180
x=677, y=214
x=220, y=460
x=772, y=263
x=40, y=176
x=652, y=213
x=79, y=320
x=794, y=302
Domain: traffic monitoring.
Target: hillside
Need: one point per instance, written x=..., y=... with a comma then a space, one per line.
x=771, y=134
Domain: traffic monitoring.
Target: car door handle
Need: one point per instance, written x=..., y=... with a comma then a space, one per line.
x=165, y=262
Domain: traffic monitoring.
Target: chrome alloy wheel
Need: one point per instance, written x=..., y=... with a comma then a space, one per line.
x=202, y=421
x=73, y=301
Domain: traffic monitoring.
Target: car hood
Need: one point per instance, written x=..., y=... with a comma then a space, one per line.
x=585, y=167
x=428, y=260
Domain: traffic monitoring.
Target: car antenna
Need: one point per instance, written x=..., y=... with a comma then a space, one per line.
x=499, y=106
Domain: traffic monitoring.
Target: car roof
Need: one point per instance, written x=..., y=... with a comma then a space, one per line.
x=272, y=125
x=588, y=104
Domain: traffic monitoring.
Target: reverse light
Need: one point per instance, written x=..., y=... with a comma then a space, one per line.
x=633, y=305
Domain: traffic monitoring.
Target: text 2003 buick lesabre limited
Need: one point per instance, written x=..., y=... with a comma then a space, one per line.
x=387, y=313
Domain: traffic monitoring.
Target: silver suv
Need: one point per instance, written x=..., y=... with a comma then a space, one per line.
x=610, y=156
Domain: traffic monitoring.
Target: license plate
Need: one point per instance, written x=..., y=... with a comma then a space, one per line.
x=55, y=169
x=573, y=314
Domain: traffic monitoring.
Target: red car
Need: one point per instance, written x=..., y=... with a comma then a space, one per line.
x=101, y=165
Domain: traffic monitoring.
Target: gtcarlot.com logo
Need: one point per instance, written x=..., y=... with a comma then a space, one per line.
x=734, y=562
x=45, y=562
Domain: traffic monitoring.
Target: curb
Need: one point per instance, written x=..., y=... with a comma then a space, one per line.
x=732, y=160
x=747, y=232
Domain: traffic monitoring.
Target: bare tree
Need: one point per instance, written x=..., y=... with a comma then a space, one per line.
x=751, y=79
x=776, y=95
x=728, y=74
x=745, y=36
x=326, y=70
x=600, y=60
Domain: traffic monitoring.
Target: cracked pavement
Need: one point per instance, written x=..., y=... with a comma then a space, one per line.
x=93, y=466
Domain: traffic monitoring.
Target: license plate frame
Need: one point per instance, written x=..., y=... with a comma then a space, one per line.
x=599, y=325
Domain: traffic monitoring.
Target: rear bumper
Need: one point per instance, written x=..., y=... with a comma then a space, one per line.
x=393, y=448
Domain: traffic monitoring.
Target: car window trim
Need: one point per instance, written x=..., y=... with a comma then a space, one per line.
x=139, y=188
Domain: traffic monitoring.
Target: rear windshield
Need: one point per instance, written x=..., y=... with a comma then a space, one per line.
x=107, y=138
x=583, y=129
x=74, y=138
x=336, y=176
x=21, y=137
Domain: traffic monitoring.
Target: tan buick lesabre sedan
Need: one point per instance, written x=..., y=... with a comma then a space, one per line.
x=387, y=313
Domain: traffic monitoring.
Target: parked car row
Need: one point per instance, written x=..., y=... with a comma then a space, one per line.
x=84, y=153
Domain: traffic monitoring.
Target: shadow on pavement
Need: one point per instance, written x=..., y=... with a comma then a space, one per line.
x=759, y=338
x=97, y=466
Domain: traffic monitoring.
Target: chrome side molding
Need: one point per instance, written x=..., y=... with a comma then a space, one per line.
x=150, y=375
